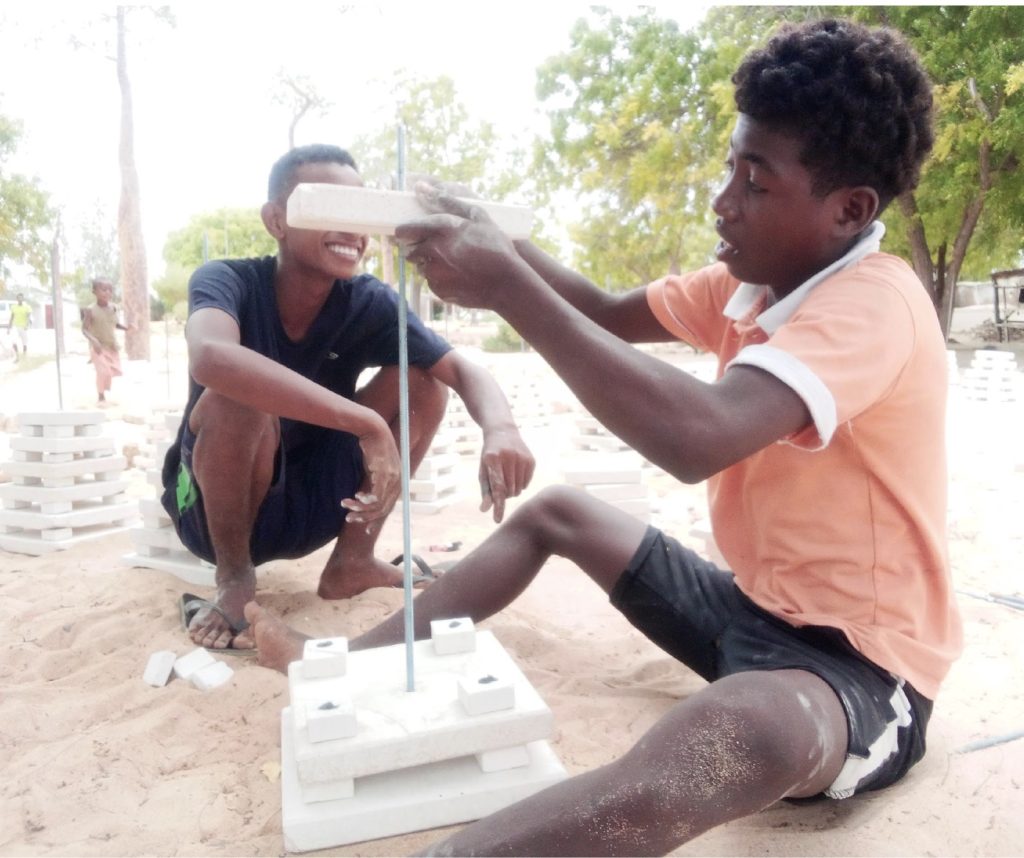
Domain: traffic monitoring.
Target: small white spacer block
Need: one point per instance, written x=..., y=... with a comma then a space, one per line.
x=332, y=718
x=189, y=663
x=503, y=758
x=483, y=693
x=324, y=657
x=211, y=676
x=453, y=636
x=158, y=668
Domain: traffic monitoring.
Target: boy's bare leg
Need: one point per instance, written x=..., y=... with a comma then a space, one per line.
x=233, y=463
x=730, y=750
x=352, y=566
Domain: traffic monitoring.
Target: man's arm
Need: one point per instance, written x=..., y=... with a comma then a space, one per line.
x=689, y=428
x=217, y=360
x=506, y=465
x=625, y=314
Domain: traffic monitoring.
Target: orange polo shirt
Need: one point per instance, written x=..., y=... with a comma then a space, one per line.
x=843, y=524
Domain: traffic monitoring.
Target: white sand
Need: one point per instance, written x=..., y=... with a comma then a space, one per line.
x=95, y=762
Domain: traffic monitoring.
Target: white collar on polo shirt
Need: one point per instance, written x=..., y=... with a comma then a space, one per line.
x=778, y=314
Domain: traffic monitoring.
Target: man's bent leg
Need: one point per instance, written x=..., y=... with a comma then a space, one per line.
x=562, y=521
x=233, y=464
x=734, y=748
x=597, y=537
x=352, y=567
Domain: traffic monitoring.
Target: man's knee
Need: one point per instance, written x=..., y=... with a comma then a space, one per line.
x=781, y=729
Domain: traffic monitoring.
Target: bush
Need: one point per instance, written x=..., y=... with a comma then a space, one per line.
x=506, y=340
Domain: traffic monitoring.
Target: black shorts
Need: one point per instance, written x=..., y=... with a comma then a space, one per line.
x=695, y=612
x=302, y=510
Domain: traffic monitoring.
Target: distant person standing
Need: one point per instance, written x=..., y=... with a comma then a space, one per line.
x=99, y=322
x=21, y=317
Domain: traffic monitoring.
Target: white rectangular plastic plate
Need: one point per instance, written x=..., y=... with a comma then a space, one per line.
x=415, y=799
x=372, y=211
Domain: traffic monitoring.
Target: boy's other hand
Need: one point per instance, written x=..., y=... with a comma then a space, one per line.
x=506, y=468
x=383, y=478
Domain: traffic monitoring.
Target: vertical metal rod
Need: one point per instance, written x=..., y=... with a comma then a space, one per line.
x=403, y=428
x=58, y=319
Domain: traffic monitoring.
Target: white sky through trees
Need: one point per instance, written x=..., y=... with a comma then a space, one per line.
x=206, y=127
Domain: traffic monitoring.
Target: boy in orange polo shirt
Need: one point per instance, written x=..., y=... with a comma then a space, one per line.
x=822, y=440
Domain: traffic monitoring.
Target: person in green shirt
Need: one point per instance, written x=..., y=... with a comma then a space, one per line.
x=21, y=317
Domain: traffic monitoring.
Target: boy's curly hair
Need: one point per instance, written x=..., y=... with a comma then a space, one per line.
x=283, y=172
x=856, y=96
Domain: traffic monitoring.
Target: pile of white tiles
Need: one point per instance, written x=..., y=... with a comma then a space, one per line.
x=364, y=758
x=435, y=483
x=593, y=436
x=992, y=376
x=66, y=483
x=461, y=428
x=617, y=479
x=157, y=545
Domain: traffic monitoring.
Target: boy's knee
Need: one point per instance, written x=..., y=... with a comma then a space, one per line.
x=426, y=392
x=215, y=412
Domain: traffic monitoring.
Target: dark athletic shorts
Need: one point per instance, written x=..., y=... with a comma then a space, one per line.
x=302, y=510
x=695, y=612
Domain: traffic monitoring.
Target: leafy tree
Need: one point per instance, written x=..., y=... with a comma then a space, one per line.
x=173, y=290
x=298, y=94
x=642, y=112
x=444, y=141
x=968, y=212
x=97, y=256
x=25, y=213
x=227, y=232
x=639, y=127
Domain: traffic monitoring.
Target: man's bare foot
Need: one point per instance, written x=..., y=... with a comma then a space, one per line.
x=277, y=644
x=217, y=629
x=345, y=578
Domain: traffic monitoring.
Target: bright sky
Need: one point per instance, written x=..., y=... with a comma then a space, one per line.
x=206, y=130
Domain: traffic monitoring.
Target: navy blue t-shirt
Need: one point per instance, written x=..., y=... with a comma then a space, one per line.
x=357, y=328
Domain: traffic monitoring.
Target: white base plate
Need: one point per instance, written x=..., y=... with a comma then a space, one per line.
x=414, y=799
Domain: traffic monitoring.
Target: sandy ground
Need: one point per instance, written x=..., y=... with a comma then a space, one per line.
x=97, y=763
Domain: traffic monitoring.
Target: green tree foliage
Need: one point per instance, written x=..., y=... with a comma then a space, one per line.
x=25, y=214
x=640, y=117
x=443, y=141
x=97, y=256
x=641, y=112
x=173, y=290
x=227, y=232
x=967, y=215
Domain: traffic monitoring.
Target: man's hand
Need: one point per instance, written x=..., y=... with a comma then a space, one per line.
x=383, y=477
x=460, y=251
x=506, y=468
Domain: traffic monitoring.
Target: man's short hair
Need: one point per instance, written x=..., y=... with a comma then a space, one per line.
x=856, y=96
x=282, y=174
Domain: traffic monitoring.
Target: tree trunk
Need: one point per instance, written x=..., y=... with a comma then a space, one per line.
x=968, y=224
x=134, y=280
x=920, y=257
